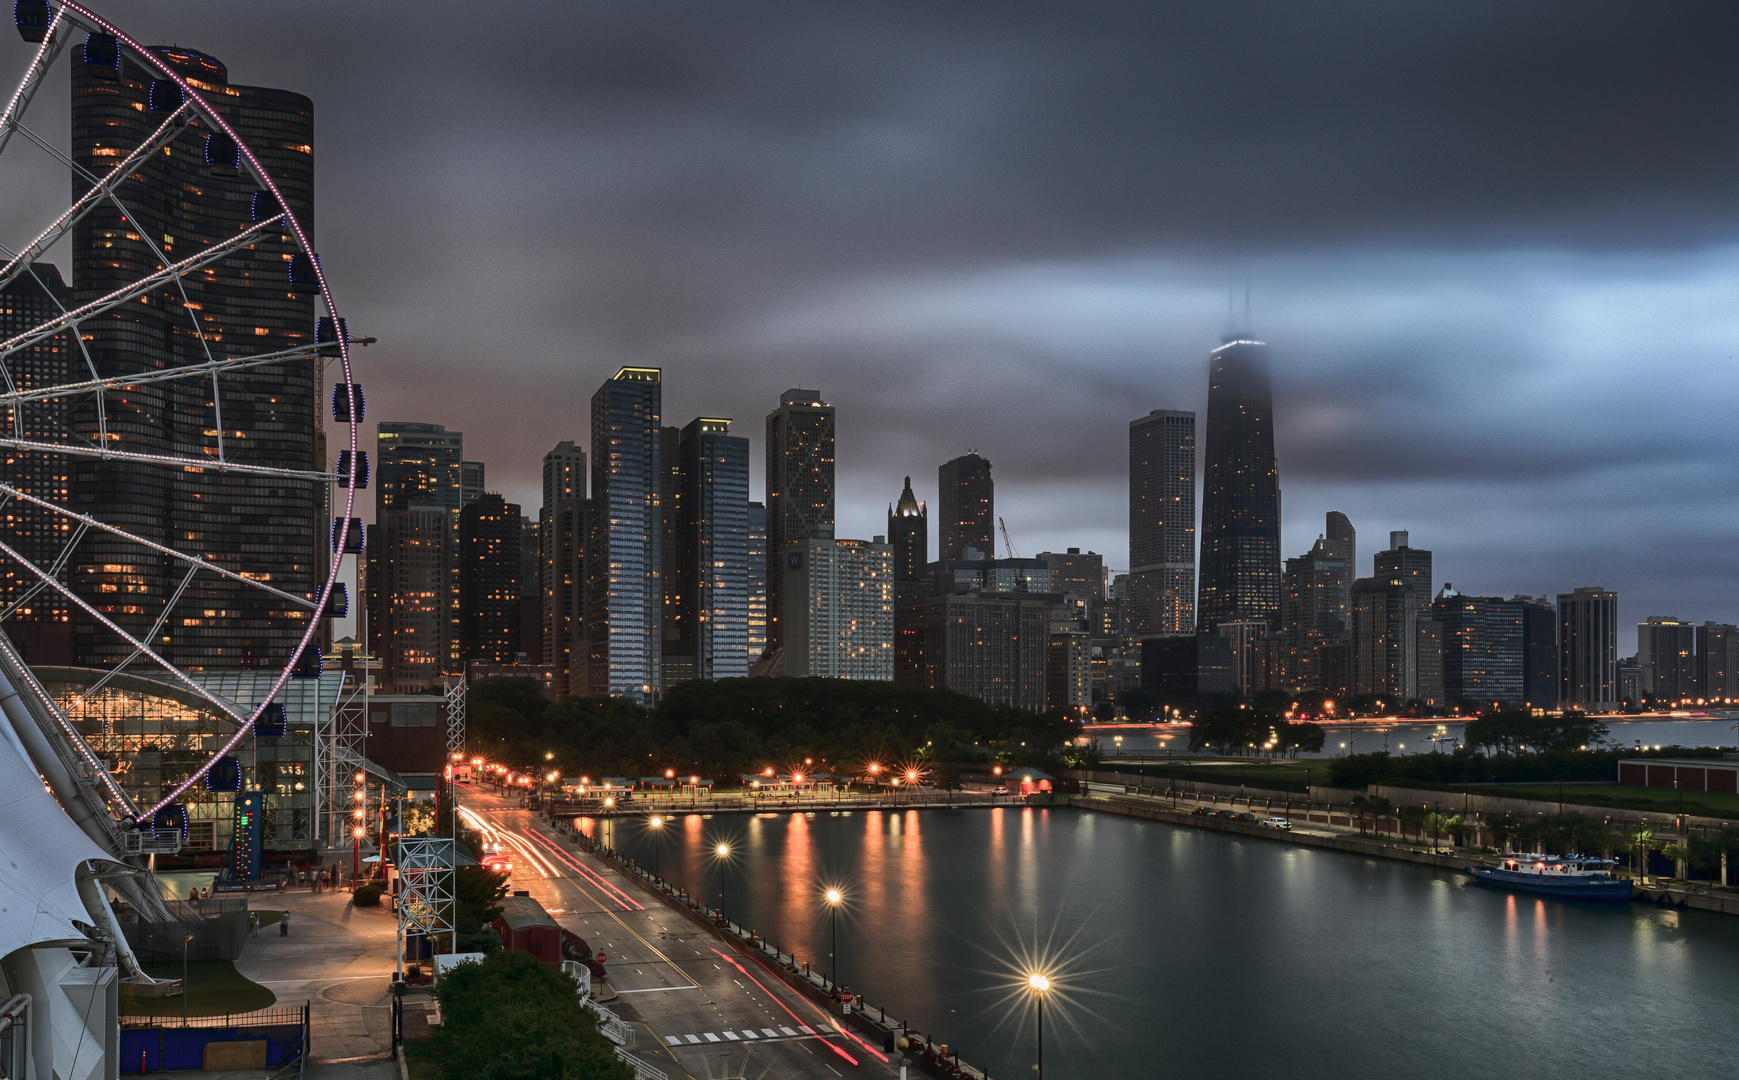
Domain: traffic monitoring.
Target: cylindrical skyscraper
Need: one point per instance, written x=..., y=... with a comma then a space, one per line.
x=1240, y=564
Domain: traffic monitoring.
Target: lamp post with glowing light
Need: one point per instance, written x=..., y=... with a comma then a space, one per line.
x=1040, y=986
x=833, y=898
x=609, y=822
x=723, y=851
x=657, y=824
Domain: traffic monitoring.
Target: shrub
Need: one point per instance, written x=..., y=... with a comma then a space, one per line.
x=514, y=1018
x=366, y=896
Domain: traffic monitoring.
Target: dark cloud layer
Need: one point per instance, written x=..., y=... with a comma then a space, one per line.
x=1493, y=244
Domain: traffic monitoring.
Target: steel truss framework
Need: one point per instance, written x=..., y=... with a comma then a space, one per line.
x=426, y=879
x=224, y=373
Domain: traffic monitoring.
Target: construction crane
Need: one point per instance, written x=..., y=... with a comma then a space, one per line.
x=1003, y=525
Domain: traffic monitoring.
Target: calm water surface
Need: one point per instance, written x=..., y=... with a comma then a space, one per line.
x=1192, y=953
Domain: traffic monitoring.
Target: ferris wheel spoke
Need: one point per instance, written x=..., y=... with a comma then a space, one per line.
x=172, y=272
x=209, y=464
x=228, y=708
x=103, y=189
x=56, y=570
x=156, y=628
x=46, y=53
x=87, y=522
x=187, y=371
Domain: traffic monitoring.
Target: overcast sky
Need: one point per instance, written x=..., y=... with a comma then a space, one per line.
x=1494, y=247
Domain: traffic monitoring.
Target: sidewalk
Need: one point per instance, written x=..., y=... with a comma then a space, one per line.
x=340, y=959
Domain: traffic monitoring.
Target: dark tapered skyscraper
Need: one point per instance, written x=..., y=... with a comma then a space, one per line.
x=625, y=531
x=712, y=551
x=966, y=499
x=1240, y=491
x=799, y=487
x=909, y=535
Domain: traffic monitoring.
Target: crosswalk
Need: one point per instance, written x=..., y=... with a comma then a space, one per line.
x=802, y=1031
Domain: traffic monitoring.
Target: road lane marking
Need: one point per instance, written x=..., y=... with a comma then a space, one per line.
x=747, y=1034
x=807, y=1030
x=733, y=1036
x=694, y=1038
x=642, y=990
x=770, y=1033
x=787, y=1030
x=673, y=1040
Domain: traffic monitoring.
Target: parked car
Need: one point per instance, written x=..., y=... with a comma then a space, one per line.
x=1276, y=823
x=1202, y=811
x=1241, y=816
x=1000, y=791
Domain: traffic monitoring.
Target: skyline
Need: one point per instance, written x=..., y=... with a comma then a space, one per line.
x=1491, y=251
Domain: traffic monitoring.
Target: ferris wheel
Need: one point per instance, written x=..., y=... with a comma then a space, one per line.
x=166, y=508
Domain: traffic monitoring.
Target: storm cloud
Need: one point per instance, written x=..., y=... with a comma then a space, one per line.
x=1495, y=247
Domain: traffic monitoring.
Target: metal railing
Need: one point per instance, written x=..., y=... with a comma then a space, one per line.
x=642, y=1071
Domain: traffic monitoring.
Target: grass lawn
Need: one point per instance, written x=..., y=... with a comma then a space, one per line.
x=1654, y=800
x=1301, y=771
x=421, y=1061
x=214, y=988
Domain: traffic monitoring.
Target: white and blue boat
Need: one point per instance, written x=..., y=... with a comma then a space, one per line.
x=1569, y=877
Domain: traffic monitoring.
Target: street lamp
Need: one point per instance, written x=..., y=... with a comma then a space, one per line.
x=1040, y=985
x=833, y=899
x=609, y=822
x=184, y=943
x=723, y=851
x=657, y=824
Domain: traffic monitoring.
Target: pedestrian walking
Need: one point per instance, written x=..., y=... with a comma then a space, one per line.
x=304, y=879
x=253, y=924
x=284, y=924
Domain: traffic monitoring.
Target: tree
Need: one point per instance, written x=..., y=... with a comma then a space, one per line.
x=1227, y=729
x=475, y=891
x=512, y=1017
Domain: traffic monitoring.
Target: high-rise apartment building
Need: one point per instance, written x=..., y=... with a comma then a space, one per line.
x=909, y=536
x=420, y=466
x=1076, y=571
x=1717, y=662
x=1314, y=606
x=839, y=608
x=409, y=575
x=1588, y=650
x=712, y=540
x=41, y=627
x=988, y=646
x=800, y=487
x=1240, y=491
x=562, y=524
x=623, y=599
x=174, y=207
x=471, y=483
x=1540, y=652
x=1342, y=541
x=966, y=499
x=489, y=580
x=1666, y=648
x=1384, y=620
x=1412, y=568
x=1068, y=671
x=1484, y=650
x=757, y=581
x=1162, y=524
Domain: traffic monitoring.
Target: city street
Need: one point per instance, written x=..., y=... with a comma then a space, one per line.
x=701, y=1008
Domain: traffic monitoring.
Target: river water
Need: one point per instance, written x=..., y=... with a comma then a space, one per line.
x=1177, y=951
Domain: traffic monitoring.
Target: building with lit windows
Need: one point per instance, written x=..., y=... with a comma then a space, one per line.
x=624, y=534
x=757, y=639
x=909, y=536
x=712, y=550
x=562, y=578
x=173, y=207
x=1161, y=596
x=419, y=466
x=800, y=487
x=839, y=608
x=991, y=646
x=41, y=627
x=1240, y=555
x=1588, y=649
x=966, y=504
x=1667, y=648
x=410, y=573
x=489, y=570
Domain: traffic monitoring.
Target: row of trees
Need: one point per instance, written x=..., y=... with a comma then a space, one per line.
x=730, y=726
x=1466, y=766
x=513, y=1017
x=1253, y=731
